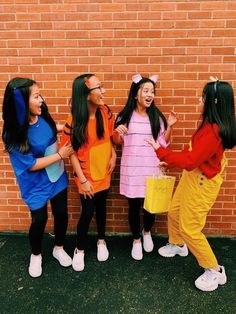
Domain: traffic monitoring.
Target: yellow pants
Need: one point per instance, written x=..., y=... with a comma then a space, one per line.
x=193, y=198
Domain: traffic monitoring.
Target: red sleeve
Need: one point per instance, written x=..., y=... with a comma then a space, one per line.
x=206, y=144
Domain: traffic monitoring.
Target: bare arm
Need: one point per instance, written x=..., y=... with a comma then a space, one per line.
x=59, y=127
x=120, y=130
x=43, y=162
x=77, y=169
x=172, y=119
x=168, y=133
x=112, y=162
x=87, y=188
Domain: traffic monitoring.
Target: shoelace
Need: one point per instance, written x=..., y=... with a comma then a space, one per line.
x=172, y=246
x=208, y=275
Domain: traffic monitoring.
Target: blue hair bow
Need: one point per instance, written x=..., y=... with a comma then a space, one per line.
x=19, y=106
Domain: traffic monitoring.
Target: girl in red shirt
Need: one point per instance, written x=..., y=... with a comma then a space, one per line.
x=203, y=162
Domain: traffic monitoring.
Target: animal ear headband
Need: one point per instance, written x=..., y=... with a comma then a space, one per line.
x=137, y=78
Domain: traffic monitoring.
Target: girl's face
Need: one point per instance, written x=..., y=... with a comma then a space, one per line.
x=95, y=97
x=145, y=95
x=35, y=102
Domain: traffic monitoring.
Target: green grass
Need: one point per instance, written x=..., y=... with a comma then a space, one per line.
x=120, y=285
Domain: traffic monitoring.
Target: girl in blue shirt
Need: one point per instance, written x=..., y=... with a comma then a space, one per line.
x=30, y=138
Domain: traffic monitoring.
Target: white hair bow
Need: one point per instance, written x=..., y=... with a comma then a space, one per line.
x=214, y=78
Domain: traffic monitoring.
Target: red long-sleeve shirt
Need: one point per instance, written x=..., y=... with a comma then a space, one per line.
x=206, y=152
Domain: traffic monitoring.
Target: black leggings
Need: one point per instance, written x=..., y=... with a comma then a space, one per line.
x=39, y=221
x=98, y=203
x=135, y=204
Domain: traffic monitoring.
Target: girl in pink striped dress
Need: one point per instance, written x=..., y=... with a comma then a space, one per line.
x=140, y=119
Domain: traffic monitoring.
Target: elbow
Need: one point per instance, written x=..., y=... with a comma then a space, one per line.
x=116, y=140
x=32, y=169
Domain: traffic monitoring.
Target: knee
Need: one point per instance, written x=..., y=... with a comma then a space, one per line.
x=40, y=220
x=87, y=214
x=61, y=215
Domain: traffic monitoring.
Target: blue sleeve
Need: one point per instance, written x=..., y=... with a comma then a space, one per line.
x=21, y=162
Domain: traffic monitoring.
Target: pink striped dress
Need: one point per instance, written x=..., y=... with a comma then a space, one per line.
x=138, y=158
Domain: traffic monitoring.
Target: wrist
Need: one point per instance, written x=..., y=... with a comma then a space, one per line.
x=84, y=181
x=59, y=155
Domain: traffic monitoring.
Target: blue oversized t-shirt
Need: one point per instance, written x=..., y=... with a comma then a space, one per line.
x=38, y=187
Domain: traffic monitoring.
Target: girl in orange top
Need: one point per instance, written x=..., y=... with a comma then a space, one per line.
x=89, y=128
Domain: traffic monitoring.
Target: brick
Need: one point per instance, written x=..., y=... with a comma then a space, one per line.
x=184, y=42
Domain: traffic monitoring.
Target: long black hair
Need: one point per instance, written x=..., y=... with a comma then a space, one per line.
x=80, y=112
x=218, y=99
x=16, y=114
x=153, y=112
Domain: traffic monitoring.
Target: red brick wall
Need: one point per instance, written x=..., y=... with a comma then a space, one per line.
x=183, y=41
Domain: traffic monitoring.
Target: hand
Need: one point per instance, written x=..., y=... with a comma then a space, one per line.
x=66, y=150
x=152, y=142
x=111, y=165
x=163, y=166
x=172, y=119
x=87, y=189
x=121, y=129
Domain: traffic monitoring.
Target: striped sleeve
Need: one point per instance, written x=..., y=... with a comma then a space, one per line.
x=67, y=131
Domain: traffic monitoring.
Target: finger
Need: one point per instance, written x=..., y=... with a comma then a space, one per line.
x=89, y=195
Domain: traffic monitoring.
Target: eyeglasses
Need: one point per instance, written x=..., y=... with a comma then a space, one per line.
x=98, y=87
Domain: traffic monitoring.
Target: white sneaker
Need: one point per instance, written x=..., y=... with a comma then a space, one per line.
x=63, y=258
x=137, y=251
x=102, y=252
x=170, y=250
x=78, y=261
x=210, y=279
x=147, y=242
x=35, y=267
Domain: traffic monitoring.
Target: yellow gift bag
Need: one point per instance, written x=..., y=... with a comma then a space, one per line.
x=159, y=192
